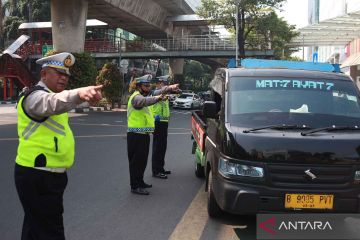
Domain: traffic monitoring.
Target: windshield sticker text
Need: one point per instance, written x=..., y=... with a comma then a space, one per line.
x=294, y=84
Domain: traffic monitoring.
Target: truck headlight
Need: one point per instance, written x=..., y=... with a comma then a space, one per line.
x=357, y=175
x=235, y=169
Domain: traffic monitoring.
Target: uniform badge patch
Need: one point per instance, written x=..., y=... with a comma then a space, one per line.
x=67, y=61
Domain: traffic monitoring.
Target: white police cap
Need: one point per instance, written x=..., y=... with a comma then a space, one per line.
x=144, y=79
x=60, y=62
x=164, y=78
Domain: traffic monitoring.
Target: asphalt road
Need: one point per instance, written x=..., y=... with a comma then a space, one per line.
x=98, y=203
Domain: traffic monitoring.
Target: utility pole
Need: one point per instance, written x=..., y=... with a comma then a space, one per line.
x=237, y=33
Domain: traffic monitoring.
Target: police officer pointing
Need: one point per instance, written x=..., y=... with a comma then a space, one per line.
x=46, y=147
x=140, y=125
x=161, y=112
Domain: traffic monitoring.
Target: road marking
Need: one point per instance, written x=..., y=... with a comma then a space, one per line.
x=180, y=112
x=101, y=136
x=94, y=136
x=117, y=135
x=227, y=232
x=193, y=222
x=99, y=124
x=9, y=139
x=207, y=137
x=117, y=125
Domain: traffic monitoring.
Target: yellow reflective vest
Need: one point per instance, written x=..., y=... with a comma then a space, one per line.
x=139, y=120
x=44, y=144
x=161, y=111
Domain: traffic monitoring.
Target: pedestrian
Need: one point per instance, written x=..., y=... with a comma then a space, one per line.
x=161, y=112
x=46, y=146
x=140, y=125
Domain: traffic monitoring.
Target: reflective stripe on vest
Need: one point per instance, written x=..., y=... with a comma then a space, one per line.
x=139, y=120
x=52, y=138
x=49, y=123
x=162, y=110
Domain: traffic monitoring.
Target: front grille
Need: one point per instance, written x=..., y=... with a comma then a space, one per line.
x=295, y=176
x=180, y=103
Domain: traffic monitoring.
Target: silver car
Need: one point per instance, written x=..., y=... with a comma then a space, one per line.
x=187, y=100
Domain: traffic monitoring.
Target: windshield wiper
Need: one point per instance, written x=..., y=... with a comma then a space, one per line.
x=330, y=129
x=277, y=127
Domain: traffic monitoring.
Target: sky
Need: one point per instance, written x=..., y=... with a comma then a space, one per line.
x=295, y=12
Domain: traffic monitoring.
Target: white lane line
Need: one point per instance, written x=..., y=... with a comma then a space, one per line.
x=118, y=125
x=101, y=136
x=117, y=135
x=94, y=136
x=99, y=124
x=180, y=112
x=9, y=139
x=227, y=232
x=193, y=222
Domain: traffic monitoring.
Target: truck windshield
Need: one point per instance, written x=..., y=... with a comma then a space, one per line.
x=313, y=102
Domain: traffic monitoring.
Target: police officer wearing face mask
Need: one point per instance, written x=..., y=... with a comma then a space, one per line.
x=47, y=147
x=161, y=112
x=140, y=125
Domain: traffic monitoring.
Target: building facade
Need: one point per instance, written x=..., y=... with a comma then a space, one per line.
x=320, y=10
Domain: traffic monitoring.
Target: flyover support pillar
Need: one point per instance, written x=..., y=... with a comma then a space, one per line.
x=68, y=19
x=177, y=69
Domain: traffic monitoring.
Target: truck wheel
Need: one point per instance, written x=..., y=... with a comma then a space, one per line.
x=199, y=170
x=213, y=208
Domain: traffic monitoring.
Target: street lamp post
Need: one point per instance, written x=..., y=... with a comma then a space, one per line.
x=237, y=32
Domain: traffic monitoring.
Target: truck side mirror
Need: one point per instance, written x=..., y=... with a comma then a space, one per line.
x=209, y=109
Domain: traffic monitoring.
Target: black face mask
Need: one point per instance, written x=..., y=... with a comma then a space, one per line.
x=145, y=92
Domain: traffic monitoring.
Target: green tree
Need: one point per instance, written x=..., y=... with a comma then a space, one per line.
x=113, y=82
x=12, y=24
x=250, y=14
x=2, y=19
x=83, y=72
x=34, y=10
x=21, y=11
x=198, y=74
x=275, y=33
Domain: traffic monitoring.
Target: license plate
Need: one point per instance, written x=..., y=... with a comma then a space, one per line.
x=315, y=201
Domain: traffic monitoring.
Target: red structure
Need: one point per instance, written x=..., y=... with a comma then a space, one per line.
x=99, y=38
x=13, y=71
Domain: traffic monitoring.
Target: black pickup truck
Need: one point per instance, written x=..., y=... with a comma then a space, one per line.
x=278, y=139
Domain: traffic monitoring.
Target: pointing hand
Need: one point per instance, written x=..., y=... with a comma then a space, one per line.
x=91, y=94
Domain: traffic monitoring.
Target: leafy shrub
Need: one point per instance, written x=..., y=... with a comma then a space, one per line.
x=113, y=82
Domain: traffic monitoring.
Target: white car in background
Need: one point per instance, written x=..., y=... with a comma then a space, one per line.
x=187, y=100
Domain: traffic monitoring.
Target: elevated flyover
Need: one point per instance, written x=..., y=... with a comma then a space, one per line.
x=212, y=50
x=145, y=18
x=192, y=46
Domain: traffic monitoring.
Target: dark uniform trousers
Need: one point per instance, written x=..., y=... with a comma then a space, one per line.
x=138, y=151
x=159, y=146
x=41, y=195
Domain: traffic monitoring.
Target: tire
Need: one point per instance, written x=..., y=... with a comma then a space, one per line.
x=199, y=170
x=213, y=208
